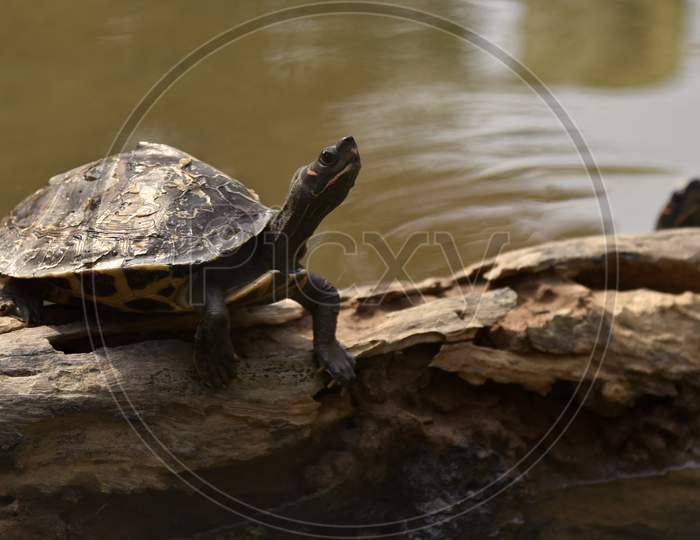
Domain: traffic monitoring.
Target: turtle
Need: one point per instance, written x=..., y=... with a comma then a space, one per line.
x=683, y=209
x=156, y=230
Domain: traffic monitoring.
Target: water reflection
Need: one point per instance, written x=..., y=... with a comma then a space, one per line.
x=603, y=43
x=450, y=141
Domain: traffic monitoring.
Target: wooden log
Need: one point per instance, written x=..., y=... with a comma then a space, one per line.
x=112, y=408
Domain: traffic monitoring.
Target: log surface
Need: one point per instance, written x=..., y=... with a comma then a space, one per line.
x=113, y=408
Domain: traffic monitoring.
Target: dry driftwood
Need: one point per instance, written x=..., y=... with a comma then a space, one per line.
x=432, y=358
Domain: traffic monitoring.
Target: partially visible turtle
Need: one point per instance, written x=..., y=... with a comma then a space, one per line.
x=156, y=230
x=683, y=210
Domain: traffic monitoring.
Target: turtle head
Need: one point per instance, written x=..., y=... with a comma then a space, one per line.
x=327, y=181
x=683, y=209
x=317, y=189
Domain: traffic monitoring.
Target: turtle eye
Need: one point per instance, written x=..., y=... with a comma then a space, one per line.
x=328, y=157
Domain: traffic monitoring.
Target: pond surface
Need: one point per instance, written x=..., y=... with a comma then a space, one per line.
x=452, y=141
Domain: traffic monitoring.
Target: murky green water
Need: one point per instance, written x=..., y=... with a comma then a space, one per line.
x=451, y=140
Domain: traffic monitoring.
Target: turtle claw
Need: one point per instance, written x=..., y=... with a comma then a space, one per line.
x=215, y=364
x=28, y=310
x=338, y=362
x=8, y=308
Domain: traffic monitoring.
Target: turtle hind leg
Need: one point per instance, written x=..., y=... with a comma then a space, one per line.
x=23, y=299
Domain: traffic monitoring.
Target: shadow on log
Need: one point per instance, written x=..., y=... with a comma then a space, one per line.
x=464, y=384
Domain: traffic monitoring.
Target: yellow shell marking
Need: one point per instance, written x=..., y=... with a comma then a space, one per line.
x=262, y=290
x=123, y=292
x=259, y=291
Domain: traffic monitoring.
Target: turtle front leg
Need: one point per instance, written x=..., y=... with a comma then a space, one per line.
x=322, y=300
x=214, y=356
x=23, y=299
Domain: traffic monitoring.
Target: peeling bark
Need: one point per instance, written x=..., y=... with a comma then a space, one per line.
x=475, y=375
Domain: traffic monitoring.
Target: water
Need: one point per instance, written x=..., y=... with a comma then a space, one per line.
x=452, y=141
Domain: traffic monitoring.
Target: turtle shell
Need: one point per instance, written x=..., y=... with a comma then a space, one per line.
x=150, y=209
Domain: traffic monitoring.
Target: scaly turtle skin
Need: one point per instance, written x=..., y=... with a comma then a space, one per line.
x=156, y=230
x=683, y=210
